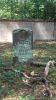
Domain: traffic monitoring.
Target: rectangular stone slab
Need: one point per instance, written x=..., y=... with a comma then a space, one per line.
x=22, y=44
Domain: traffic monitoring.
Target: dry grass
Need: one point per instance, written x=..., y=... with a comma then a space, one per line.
x=43, y=50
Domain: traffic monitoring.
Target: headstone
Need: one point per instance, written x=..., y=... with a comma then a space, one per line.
x=22, y=44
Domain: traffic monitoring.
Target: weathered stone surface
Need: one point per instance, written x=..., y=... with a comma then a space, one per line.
x=22, y=44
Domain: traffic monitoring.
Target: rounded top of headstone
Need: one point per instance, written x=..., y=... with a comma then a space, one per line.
x=21, y=29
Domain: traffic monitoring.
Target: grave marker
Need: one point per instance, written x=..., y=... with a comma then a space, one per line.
x=22, y=44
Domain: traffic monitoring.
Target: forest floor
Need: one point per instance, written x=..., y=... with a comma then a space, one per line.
x=12, y=87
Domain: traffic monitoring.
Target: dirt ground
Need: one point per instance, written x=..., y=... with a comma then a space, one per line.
x=17, y=88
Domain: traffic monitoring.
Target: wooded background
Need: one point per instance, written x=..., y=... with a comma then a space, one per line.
x=28, y=9
x=30, y=12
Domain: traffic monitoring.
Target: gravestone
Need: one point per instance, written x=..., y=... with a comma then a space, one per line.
x=22, y=44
